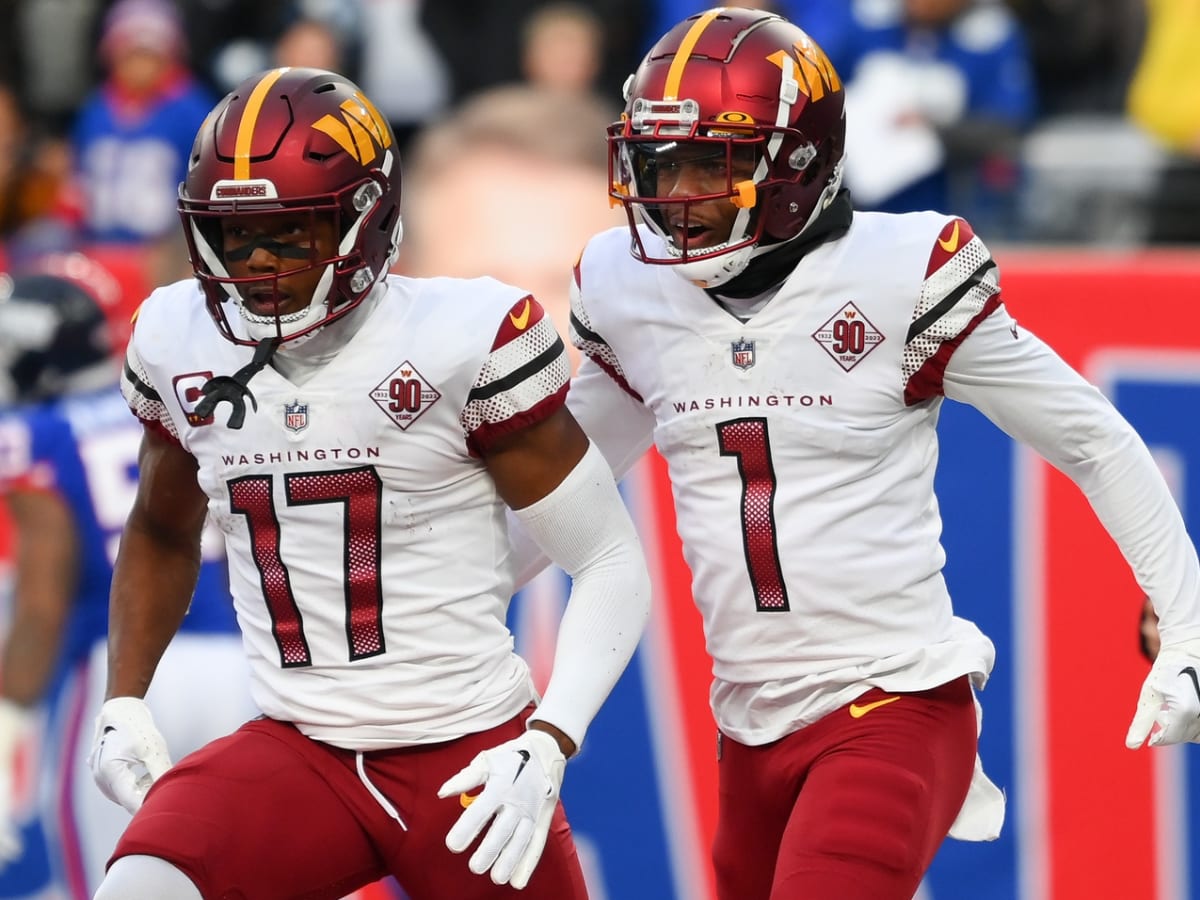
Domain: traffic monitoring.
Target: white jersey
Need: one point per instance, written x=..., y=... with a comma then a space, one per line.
x=369, y=559
x=802, y=447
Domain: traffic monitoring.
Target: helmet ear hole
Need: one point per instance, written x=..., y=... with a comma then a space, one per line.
x=800, y=158
x=387, y=222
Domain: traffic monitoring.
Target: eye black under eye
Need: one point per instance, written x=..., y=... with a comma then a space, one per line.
x=275, y=248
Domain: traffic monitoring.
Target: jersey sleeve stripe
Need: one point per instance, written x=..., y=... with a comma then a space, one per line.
x=961, y=288
x=598, y=350
x=518, y=375
x=486, y=434
x=523, y=380
x=145, y=402
x=977, y=280
x=137, y=384
x=927, y=380
x=583, y=332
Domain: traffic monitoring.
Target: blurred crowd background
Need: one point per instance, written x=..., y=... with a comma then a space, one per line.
x=1047, y=123
x=1066, y=122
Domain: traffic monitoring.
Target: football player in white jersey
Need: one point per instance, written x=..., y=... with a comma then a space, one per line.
x=359, y=459
x=789, y=357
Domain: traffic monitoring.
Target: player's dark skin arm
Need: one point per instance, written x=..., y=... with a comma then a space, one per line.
x=526, y=466
x=47, y=571
x=1148, y=638
x=157, y=566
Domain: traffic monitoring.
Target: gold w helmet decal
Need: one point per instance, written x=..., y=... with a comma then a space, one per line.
x=359, y=130
x=816, y=74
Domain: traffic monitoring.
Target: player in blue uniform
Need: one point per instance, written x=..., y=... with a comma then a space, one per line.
x=68, y=473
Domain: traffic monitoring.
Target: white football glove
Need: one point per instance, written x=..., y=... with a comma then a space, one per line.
x=128, y=753
x=14, y=727
x=1168, y=710
x=521, y=780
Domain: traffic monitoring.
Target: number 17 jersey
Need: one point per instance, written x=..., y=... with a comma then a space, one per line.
x=369, y=558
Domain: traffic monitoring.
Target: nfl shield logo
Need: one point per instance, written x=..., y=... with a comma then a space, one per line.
x=295, y=416
x=743, y=354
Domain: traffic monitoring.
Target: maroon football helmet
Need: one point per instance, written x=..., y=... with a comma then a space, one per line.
x=730, y=79
x=294, y=139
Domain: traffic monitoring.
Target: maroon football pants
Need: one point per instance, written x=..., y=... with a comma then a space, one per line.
x=852, y=807
x=268, y=813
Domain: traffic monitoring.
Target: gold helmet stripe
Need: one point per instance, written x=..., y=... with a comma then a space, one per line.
x=675, y=73
x=245, y=133
x=354, y=131
x=375, y=122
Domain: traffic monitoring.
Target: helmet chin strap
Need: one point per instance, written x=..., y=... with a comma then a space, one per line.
x=232, y=389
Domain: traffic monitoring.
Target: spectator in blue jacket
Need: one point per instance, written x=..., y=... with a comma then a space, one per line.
x=938, y=93
x=132, y=136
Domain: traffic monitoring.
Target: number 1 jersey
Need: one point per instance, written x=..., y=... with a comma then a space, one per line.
x=801, y=447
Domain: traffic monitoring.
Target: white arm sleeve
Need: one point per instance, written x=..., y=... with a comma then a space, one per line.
x=584, y=527
x=1028, y=391
x=620, y=426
